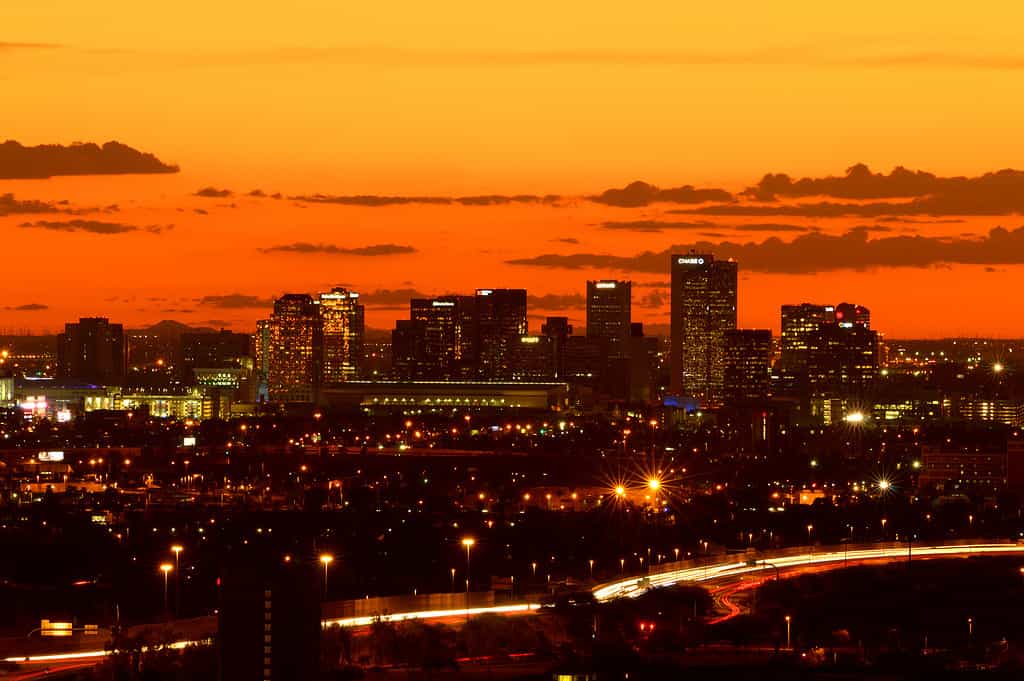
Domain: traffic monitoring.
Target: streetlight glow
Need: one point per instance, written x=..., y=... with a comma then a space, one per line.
x=855, y=417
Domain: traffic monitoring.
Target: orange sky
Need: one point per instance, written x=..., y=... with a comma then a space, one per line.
x=457, y=98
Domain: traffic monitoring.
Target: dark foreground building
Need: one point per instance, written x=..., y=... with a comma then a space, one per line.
x=268, y=624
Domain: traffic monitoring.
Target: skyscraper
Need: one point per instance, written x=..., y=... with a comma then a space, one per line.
x=703, y=309
x=500, y=320
x=608, y=314
x=343, y=330
x=558, y=329
x=92, y=350
x=296, y=338
x=748, y=364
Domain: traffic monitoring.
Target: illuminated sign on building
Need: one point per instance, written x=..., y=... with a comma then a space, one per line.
x=51, y=456
x=605, y=284
x=188, y=442
x=442, y=303
x=690, y=261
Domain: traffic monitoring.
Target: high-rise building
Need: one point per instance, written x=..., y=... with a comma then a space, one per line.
x=343, y=331
x=608, y=314
x=703, y=309
x=748, y=364
x=268, y=618
x=92, y=350
x=558, y=329
x=261, y=352
x=295, y=349
x=458, y=336
x=214, y=350
x=827, y=351
x=532, y=358
x=500, y=320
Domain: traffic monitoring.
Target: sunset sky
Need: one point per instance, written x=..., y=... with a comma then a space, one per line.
x=373, y=123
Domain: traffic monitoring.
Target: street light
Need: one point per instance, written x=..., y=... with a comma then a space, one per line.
x=176, y=550
x=810, y=528
x=789, y=640
x=453, y=579
x=326, y=559
x=166, y=569
x=591, y=564
x=468, y=543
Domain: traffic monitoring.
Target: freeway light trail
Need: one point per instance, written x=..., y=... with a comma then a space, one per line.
x=633, y=587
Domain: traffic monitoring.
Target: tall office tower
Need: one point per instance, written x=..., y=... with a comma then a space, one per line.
x=843, y=360
x=703, y=309
x=296, y=338
x=434, y=335
x=261, y=353
x=558, y=329
x=800, y=324
x=268, y=617
x=532, y=358
x=848, y=314
x=608, y=314
x=748, y=365
x=500, y=320
x=92, y=350
x=343, y=333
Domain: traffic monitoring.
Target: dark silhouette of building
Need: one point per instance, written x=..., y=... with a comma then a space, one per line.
x=703, y=309
x=500, y=320
x=609, y=315
x=214, y=350
x=748, y=365
x=92, y=350
x=268, y=619
x=558, y=329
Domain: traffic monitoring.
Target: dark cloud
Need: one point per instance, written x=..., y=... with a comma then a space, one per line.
x=391, y=299
x=47, y=160
x=236, y=301
x=816, y=252
x=567, y=240
x=995, y=193
x=654, y=299
x=94, y=226
x=920, y=221
x=641, y=194
x=655, y=225
x=260, y=194
x=652, y=284
x=200, y=211
x=331, y=249
x=557, y=301
x=370, y=200
x=12, y=206
x=214, y=193
x=28, y=307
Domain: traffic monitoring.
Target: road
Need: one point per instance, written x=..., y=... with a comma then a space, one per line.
x=725, y=578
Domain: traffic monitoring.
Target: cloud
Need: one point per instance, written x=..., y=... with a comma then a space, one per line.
x=28, y=307
x=94, y=226
x=331, y=249
x=373, y=201
x=816, y=252
x=391, y=299
x=567, y=240
x=214, y=193
x=47, y=160
x=639, y=193
x=12, y=206
x=662, y=225
x=655, y=225
x=557, y=301
x=654, y=299
x=995, y=193
x=236, y=301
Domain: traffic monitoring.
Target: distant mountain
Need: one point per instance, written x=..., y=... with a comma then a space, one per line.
x=170, y=329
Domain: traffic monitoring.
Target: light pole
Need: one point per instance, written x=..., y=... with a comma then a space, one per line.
x=177, y=549
x=622, y=566
x=468, y=543
x=326, y=559
x=591, y=564
x=453, y=579
x=166, y=569
x=789, y=640
x=810, y=528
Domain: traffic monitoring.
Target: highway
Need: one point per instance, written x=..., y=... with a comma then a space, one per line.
x=724, y=578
